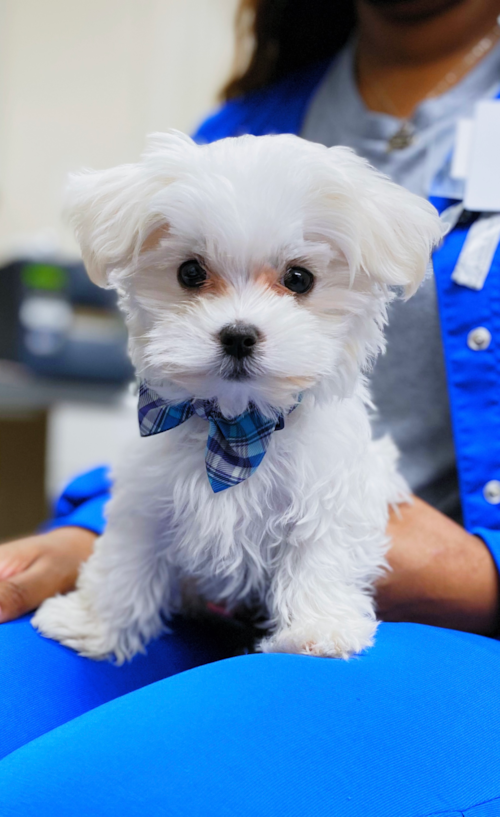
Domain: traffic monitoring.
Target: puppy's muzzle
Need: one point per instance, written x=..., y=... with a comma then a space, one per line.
x=239, y=340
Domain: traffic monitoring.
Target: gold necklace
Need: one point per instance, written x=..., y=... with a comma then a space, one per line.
x=406, y=132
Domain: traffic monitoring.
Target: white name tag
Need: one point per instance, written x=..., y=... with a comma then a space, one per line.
x=482, y=181
x=477, y=253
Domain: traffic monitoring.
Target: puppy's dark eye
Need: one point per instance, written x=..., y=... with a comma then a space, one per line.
x=191, y=274
x=298, y=279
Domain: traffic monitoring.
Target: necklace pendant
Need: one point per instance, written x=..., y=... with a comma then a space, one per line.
x=403, y=138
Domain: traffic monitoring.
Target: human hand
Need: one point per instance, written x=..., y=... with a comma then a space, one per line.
x=37, y=567
x=440, y=575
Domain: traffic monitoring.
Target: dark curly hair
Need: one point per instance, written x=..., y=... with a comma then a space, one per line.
x=286, y=35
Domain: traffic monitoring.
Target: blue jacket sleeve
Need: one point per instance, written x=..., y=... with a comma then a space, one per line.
x=82, y=503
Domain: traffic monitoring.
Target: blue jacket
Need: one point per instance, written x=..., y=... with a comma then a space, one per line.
x=473, y=375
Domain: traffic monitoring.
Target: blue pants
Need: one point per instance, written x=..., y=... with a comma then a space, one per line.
x=411, y=728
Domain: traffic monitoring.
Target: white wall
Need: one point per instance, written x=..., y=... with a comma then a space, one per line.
x=81, y=83
x=81, y=437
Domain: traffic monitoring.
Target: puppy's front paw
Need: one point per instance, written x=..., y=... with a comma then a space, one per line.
x=325, y=641
x=71, y=621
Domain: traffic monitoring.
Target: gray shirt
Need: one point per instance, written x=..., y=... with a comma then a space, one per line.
x=409, y=381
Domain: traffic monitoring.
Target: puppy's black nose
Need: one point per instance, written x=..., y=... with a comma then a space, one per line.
x=239, y=340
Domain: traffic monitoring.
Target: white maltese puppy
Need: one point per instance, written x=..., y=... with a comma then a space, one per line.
x=255, y=275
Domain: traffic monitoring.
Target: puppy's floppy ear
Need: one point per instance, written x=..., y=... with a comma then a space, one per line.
x=110, y=210
x=397, y=229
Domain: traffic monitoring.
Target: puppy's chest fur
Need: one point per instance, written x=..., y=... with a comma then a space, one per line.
x=230, y=542
x=234, y=542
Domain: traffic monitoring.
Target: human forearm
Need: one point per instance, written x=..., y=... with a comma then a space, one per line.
x=37, y=567
x=440, y=574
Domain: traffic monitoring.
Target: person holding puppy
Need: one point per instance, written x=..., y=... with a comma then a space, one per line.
x=394, y=93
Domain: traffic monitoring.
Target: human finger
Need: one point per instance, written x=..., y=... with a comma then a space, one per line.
x=26, y=590
x=17, y=556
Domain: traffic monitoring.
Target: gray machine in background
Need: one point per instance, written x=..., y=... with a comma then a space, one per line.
x=55, y=321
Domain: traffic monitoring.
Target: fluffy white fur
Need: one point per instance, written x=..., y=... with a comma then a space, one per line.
x=304, y=537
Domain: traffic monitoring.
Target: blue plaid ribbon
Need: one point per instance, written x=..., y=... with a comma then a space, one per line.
x=235, y=448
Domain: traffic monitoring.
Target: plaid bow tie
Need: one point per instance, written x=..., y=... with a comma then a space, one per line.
x=235, y=448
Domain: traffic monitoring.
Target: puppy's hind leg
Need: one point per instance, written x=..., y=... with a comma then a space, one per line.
x=121, y=591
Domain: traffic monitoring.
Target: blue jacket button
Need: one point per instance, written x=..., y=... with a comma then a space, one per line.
x=479, y=339
x=491, y=492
